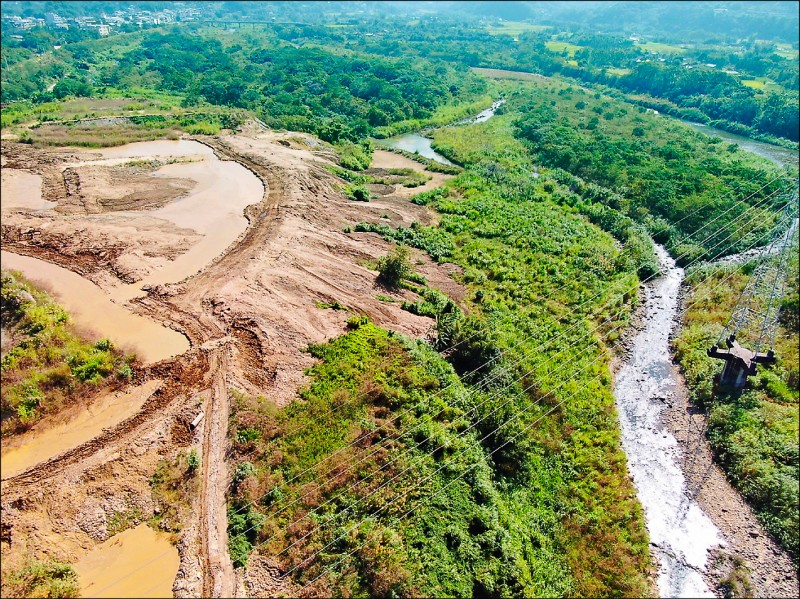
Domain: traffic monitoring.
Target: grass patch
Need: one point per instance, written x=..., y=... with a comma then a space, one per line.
x=37, y=578
x=49, y=365
x=121, y=521
x=658, y=48
x=330, y=306
x=561, y=47
x=515, y=28
x=356, y=192
x=754, y=83
x=504, y=74
x=173, y=485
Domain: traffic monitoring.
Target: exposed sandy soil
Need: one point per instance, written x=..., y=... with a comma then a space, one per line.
x=248, y=315
x=119, y=187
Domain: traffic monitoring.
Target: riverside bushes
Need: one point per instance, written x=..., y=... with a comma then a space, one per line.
x=522, y=485
x=754, y=434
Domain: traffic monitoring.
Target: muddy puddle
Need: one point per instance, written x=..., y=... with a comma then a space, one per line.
x=22, y=190
x=39, y=446
x=138, y=562
x=680, y=532
x=93, y=310
x=157, y=149
x=214, y=208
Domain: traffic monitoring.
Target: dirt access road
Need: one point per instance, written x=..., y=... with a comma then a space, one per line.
x=248, y=316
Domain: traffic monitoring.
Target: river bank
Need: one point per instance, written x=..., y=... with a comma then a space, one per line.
x=699, y=509
x=750, y=549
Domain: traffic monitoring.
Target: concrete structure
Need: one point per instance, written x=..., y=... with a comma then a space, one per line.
x=740, y=362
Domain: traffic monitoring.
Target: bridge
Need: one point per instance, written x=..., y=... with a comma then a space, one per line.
x=240, y=23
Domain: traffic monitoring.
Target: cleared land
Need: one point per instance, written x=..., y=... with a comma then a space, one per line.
x=248, y=315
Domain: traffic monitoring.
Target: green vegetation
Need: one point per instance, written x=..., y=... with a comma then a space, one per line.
x=511, y=28
x=394, y=268
x=355, y=157
x=524, y=251
x=486, y=518
x=426, y=197
x=359, y=193
x=738, y=582
x=120, y=521
x=754, y=433
x=338, y=96
x=664, y=76
x=331, y=306
x=443, y=115
x=562, y=47
x=121, y=130
x=653, y=171
x=505, y=454
x=173, y=486
x=37, y=578
x=48, y=365
x=658, y=48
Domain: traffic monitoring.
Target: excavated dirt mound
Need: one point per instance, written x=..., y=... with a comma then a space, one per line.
x=114, y=188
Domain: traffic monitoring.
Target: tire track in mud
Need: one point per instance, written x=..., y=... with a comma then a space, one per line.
x=218, y=577
x=179, y=376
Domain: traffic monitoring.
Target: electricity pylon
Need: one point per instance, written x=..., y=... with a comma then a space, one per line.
x=754, y=320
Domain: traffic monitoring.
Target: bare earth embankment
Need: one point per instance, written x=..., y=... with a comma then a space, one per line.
x=247, y=311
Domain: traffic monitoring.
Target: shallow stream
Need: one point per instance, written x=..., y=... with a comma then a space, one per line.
x=418, y=144
x=680, y=532
x=776, y=154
